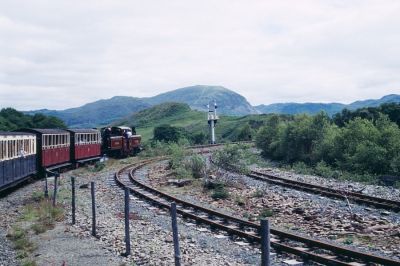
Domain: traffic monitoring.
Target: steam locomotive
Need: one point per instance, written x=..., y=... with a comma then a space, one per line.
x=33, y=151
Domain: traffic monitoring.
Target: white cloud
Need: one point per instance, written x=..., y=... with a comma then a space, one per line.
x=59, y=54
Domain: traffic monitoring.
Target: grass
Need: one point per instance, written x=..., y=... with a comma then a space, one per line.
x=258, y=193
x=37, y=217
x=22, y=244
x=28, y=262
x=265, y=213
x=220, y=193
x=240, y=201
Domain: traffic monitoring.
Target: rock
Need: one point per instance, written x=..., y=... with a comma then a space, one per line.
x=84, y=185
x=298, y=210
x=179, y=182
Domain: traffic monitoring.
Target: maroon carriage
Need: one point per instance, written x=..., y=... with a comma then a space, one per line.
x=53, y=147
x=85, y=145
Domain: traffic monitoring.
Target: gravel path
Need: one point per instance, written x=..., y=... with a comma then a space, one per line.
x=7, y=253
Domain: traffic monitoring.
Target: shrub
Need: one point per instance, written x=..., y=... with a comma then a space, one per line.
x=265, y=212
x=258, y=193
x=231, y=157
x=323, y=170
x=240, y=201
x=220, y=193
x=198, y=166
x=98, y=167
x=208, y=184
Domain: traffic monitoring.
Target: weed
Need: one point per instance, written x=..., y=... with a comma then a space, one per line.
x=198, y=166
x=231, y=157
x=348, y=241
x=39, y=228
x=29, y=262
x=98, y=167
x=258, y=193
x=265, y=212
x=240, y=201
x=208, y=184
x=37, y=195
x=21, y=241
x=220, y=193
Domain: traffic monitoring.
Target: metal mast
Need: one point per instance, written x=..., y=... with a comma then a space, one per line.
x=212, y=120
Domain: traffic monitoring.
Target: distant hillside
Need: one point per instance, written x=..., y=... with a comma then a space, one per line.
x=330, y=108
x=298, y=108
x=98, y=113
x=104, y=112
x=197, y=97
x=11, y=119
x=391, y=98
x=193, y=121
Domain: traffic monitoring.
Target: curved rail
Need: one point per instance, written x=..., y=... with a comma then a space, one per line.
x=316, y=250
x=326, y=191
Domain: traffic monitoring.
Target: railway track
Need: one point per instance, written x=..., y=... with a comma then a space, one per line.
x=305, y=247
x=357, y=197
x=326, y=191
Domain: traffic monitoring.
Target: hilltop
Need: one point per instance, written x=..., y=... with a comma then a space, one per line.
x=197, y=97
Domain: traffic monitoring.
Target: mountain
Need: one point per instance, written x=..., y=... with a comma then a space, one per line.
x=391, y=98
x=97, y=113
x=106, y=111
x=330, y=108
x=197, y=97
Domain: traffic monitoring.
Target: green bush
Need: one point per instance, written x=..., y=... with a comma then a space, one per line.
x=240, y=201
x=198, y=166
x=258, y=193
x=265, y=213
x=324, y=170
x=360, y=147
x=232, y=157
x=220, y=193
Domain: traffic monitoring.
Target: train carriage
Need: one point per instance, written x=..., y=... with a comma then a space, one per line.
x=17, y=157
x=53, y=148
x=85, y=145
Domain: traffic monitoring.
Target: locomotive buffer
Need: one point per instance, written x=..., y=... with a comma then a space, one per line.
x=212, y=120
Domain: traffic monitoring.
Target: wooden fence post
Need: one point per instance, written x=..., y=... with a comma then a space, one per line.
x=55, y=189
x=73, y=198
x=265, y=243
x=93, y=209
x=177, y=252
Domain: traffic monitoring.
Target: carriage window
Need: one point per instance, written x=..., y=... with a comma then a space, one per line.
x=1, y=150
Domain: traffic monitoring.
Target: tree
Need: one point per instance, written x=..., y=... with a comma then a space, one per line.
x=168, y=133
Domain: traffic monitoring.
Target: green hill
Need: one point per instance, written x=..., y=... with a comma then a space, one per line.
x=193, y=121
x=11, y=119
x=99, y=113
x=329, y=108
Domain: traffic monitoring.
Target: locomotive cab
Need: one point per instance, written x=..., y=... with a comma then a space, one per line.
x=120, y=141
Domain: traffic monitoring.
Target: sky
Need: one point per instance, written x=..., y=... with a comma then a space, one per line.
x=65, y=53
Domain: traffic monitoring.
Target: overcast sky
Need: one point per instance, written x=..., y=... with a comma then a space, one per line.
x=64, y=53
